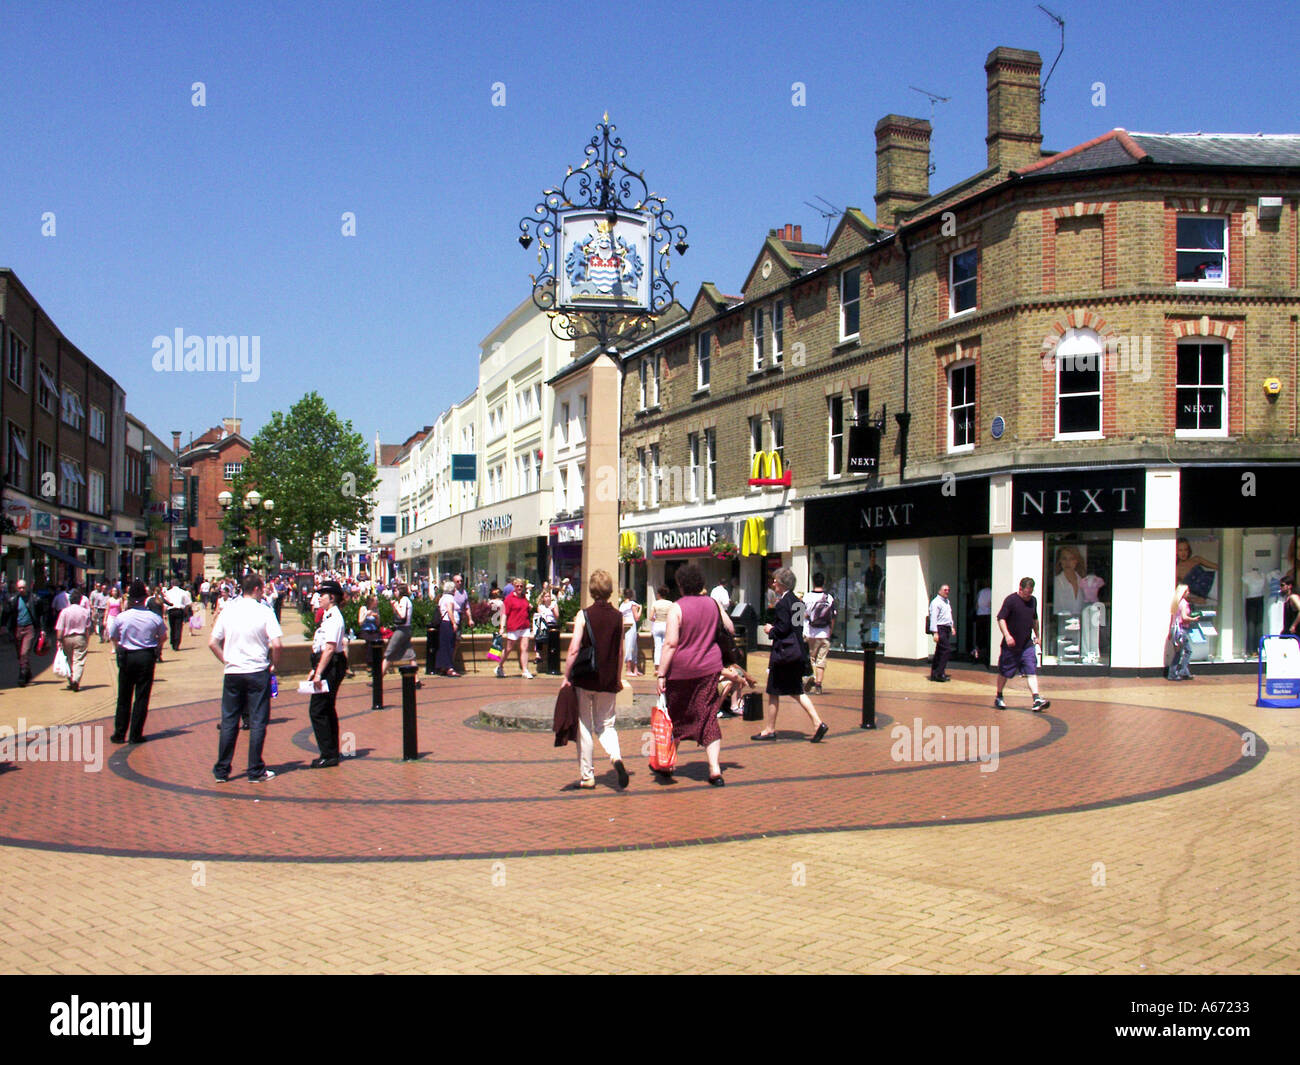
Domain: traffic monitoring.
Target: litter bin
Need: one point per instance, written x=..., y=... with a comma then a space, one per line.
x=553, y=650
x=430, y=647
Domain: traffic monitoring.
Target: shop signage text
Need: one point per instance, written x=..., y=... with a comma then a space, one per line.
x=567, y=534
x=1079, y=500
x=501, y=523
x=682, y=541
x=953, y=508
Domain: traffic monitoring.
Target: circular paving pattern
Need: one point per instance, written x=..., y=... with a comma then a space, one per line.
x=481, y=793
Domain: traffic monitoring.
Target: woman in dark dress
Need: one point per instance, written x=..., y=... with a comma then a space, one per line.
x=787, y=679
x=690, y=664
x=447, y=631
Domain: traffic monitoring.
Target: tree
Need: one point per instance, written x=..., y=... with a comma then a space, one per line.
x=318, y=471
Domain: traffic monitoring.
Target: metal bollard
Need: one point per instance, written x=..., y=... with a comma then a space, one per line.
x=376, y=675
x=869, y=685
x=553, y=650
x=410, y=740
x=430, y=648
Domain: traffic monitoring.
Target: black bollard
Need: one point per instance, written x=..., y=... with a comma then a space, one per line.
x=430, y=647
x=869, y=685
x=553, y=650
x=410, y=740
x=376, y=675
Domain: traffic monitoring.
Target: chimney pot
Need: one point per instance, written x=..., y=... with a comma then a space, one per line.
x=798, y=234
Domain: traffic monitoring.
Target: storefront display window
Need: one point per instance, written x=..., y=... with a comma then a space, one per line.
x=1266, y=556
x=855, y=576
x=1076, y=598
x=1198, y=556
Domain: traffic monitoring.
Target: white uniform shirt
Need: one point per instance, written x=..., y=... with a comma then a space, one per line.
x=177, y=598
x=940, y=613
x=330, y=630
x=245, y=631
x=721, y=596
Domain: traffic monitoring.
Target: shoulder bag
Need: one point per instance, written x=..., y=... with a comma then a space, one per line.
x=586, y=664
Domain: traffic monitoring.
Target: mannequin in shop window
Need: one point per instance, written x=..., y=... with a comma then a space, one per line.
x=1068, y=602
x=1199, y=574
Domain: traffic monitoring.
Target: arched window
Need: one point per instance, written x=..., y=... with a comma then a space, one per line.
x=1079, y=360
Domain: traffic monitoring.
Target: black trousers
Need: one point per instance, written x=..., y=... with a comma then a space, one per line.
x=134, y=685
x=324, y=717
x=942, y=651
x=176, y=618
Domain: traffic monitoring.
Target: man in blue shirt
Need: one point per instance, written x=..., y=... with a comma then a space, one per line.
x=137, y=634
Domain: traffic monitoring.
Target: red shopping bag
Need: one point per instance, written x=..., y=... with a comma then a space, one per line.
x=663, y=756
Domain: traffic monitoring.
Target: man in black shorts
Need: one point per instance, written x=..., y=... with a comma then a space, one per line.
x=1018, y=620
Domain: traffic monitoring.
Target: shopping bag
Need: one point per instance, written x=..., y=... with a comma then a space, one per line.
x=196, y=623
x=663, y=755
x=497, y=651
x=61, y=667
x=41, y=645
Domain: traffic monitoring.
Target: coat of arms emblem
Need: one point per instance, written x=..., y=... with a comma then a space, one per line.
x=603, y=265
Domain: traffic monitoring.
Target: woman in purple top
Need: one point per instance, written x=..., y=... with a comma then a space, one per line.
x=690, y=664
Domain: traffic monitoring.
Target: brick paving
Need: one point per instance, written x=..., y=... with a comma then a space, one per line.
x=1124, y=831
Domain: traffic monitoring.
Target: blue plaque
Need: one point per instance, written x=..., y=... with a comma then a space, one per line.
x=999, y=427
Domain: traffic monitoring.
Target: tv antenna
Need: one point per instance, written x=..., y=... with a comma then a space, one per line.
x=1042, y=91
x=934, y=98
x=833, y=212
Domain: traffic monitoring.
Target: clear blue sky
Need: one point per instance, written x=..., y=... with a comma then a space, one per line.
x=226, y=219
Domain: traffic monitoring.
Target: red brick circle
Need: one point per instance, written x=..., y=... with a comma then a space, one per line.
x=483, y=793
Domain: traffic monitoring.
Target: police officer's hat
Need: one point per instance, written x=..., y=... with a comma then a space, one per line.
x=332, y=588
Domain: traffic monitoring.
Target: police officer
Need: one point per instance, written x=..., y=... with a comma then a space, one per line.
x=329, y=660
x=137, y=636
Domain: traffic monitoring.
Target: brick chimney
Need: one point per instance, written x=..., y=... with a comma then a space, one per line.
x=1015, y=134
x=902, y=165
x=788, y=232
x=231, y=425
x=176, y=442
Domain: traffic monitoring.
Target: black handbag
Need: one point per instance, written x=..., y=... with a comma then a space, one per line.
x=787, y=651
x=586, y=664
x=726, y=645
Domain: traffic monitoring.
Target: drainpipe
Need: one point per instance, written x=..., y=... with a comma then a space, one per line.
x=904, y=418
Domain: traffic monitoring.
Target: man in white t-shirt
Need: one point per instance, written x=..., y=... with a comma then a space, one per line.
x=246, y=640
x=722, y=594
x=178, y=609
x=819, y=604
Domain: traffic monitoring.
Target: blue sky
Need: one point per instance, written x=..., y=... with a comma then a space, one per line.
x=227, y=218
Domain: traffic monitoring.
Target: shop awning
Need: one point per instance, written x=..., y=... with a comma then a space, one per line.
x=61, y=556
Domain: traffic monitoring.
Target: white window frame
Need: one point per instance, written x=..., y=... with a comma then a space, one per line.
x=834, y=469
x=93, y=504
x=564, y=424
x=693, y=485
x=654, y=475
x=972, y=281
x=562, y=489
x=953, y=447
x=703, y=360
x=1223, y=283
x=19, y=457
x=16, y=359
x=856, y=303
x=231, y=470
x=582, y=417
x=778, y=332
x=102, y=434
x=47, y=388
x=640, y=478
x=1079, y=337
x=73, y=411
x=1204, y=434
x=756, y=324
x=776, y=433
x=710, y=464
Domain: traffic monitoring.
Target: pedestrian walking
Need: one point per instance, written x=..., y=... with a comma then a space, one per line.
x=98, y=603
x=983, y=621
x=137, y=635
x=399, y=644
x=659, y=621
x=631, y=611
x=1180, y=626
x=448, y=628
x=514, y=628
x=1021, y=634
x=786, y=671
x=73, y=631
x=820, y=610
x=943, y=630
x=329, y=662
x=1290, y=606
x=178, y=610
x=600, y=626
x=23, y=618
x=246, y=640
x=691, y=664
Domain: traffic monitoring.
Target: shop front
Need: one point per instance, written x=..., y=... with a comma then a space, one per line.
x=504, y=541
x=1237, y=537
x=566, y=551
x=884, y=553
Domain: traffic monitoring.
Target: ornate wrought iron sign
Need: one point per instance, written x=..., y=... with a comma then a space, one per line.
x=604, y=245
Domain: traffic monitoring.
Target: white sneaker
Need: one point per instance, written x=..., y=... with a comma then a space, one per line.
x=266, y=775
x=526, y=675
x=501, y=673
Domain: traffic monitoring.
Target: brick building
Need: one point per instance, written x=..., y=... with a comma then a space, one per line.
x=64, y=428
x=203, y=471
x=1078, y=366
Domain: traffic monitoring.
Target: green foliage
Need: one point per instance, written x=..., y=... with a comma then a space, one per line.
x=316, y=469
